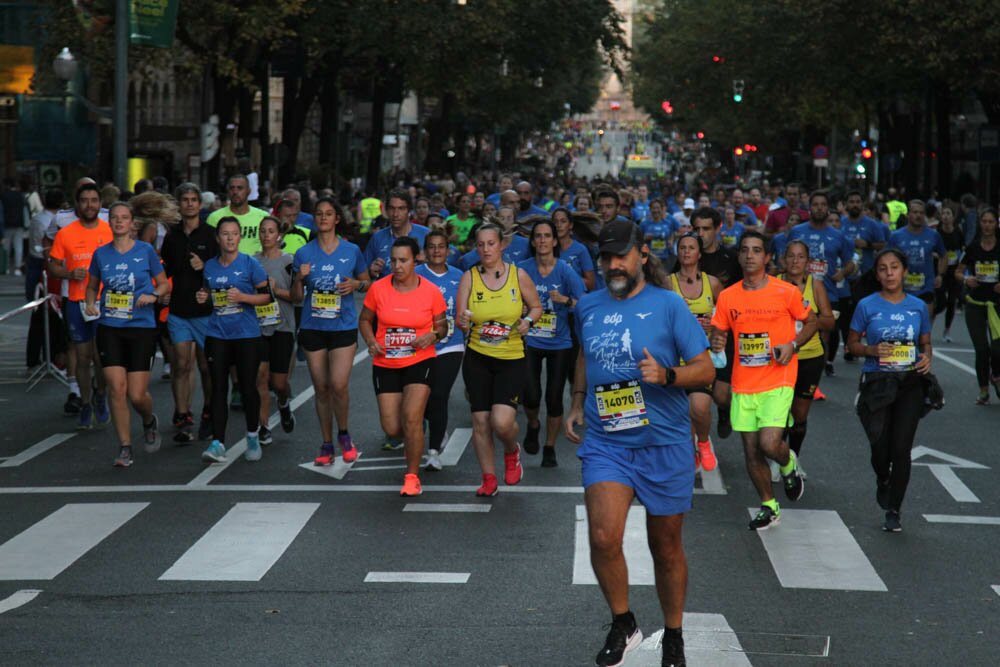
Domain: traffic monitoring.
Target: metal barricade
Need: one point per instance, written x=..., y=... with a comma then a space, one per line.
x=46, y=368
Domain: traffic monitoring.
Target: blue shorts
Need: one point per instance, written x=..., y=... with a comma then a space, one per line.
x=187, y=329
x=80, y=330
x=662, y=477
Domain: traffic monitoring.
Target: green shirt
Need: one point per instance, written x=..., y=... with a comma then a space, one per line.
x=461, y=227
x=249, y=226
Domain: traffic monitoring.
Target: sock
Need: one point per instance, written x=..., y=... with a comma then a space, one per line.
x=673, y=637
x=74, y=386
x=790, y=466
x=282, y=403
x=253, y=433
x=772, y=503
x=796, y=436
x=626, y=619
x=340, y=433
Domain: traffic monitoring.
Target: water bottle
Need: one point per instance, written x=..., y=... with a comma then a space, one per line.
x=718, y=358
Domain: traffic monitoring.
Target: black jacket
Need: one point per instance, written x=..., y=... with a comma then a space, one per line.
x=176, y=256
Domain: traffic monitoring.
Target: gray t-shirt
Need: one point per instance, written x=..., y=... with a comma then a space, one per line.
x=279, y=268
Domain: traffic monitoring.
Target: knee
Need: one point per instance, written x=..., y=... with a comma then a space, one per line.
x=339, y=388
x=667, y=550
x=137, y=396
x=117, y=391
x=605, y=544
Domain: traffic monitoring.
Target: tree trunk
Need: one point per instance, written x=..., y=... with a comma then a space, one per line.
x=298, y=98
x=942, y=111
x=329, y=136
x=375, y=140
x=225, y=107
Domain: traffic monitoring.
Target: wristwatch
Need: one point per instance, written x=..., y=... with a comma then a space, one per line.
x=671, y=377
x=527, y=318
x=795, y=347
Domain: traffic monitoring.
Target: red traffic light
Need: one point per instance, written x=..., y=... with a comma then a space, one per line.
x=738, y=151
x=753, y=148
x=667, y=107
x=701, y=135
x=718, y=59
x=866, y=153
x=746, y=147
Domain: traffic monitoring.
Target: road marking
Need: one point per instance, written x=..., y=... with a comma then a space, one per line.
x=455, y=446
x=18, y=599
x=634, y=544
x=711, y=483
x=36, y=449
x=945, y=474
x=447, y=507
x=996, y=589
x=337, y=470
x=954, y=349
x=280, y=488
x=959, y=518
x=954, y=362
x=236, y=451
x=708, y=640
x=417, y=578
x=392, y=467
x=814, y=549
x=244, y=544
x=57, y=541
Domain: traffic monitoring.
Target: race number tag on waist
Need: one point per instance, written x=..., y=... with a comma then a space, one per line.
x=987, y=272
x=325, y=304
x=268, y=315
x=399, y=342
x=914, y=281
x=902, y=358
x=118, y=305
x=620, y=406
x=545, y=327
x=952, y=257
x=817, y=267
x=493, y=332
x=658, y=245
x=221, y=304
x=755, y=349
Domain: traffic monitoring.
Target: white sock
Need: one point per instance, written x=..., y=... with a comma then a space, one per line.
x=74, y=386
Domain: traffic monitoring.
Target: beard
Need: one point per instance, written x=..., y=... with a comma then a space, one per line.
x=620, y=284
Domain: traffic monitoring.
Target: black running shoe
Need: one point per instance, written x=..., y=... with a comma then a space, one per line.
x=892, y=524
x=73, y=404
x=287, y=417
x=124, y=458
x=549, y=457
x=765, y=518
x=673, y=649
x=724, y=427
x=829, y=370
x=882, y=494
x=531, y=439
x=624, y=636
x=264, y=436
x=794, y=484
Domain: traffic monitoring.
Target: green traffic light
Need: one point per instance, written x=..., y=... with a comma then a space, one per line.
x=737, y=98
x=860, y=168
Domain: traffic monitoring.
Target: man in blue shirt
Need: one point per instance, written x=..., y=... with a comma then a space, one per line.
x=741, y=208
x=868, y=236
x=397, y=210
x=526, y=207
x=506, y=183
x=641, y=205
x=921, y=245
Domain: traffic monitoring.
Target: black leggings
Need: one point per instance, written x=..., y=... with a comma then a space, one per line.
x=890, y=433
x=946, y=296
x=245, y=354
x=558, y=364
x=445, y=370
x=987, y=351
x=841, y=327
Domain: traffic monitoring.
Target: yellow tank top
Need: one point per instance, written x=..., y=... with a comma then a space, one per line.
x=814, y=346
x=494, y=314
x=704, y=304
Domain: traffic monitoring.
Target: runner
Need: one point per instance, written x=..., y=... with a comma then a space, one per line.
x=277, y=328
x=129, y=278
x=572, y=251
x=549, y=341
x=327, y=271
x=411, y=319
x=700, y=292
x=449, y=350
x=397, y=210
x=628, y=389
x=249, y=217
x=979, y=271
x=659, y=230
x=946, y=297
x=761, y=312
x=493, y=298
x=897, y=351
x=233, y=282
x=921, y=244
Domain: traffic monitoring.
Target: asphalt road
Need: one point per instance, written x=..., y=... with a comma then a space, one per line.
x=276, y=563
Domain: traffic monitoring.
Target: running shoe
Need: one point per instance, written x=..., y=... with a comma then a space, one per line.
x=411, y=486
x=708, y=460
x=216, y=453
x=724, y=426
x=86, y=420
x=489, y=487
x=673, y=649
x=347, y=446
x=892, y=524
x=512, y=470
x=433, y=460
x=101, y=413
x=178, y=419
x=848, y=356
x=819, y=395
x=983, y=399
x=264, y=434
x=392, y=444
x=287, y=417
x=151, y=436
x=623, y=636
x=549, y=457
x=185, y=429
x=205, y=427
x=73, y=404
x=531, y=439
x=947, y=337
x=882, y=493
x=253, y=452
x=829, y=370
x=235, y=400
x=166, y=371
x=124, y=458
x=765, y=518
x=326, y=455
x=794, y=484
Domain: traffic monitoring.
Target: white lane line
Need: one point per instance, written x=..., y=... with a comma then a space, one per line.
x=280, y=488
x=954, y=362
x=711, y=483
x=954, y=349
x=708, y=640
x=392, y=467
x=637, y=556
x=337, y=471
x=244, y=544
x=996, y=589
x=54, y=543
x=455, y=446
x=236, y=451
x=968, y=520
x=952, y=484
x=447, y=507
x=36, y=449
x=417, y=578
x=18, y=599
x=814, y=549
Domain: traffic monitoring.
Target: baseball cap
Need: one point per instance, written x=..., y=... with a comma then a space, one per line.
x=689, y=203
x=618, y=237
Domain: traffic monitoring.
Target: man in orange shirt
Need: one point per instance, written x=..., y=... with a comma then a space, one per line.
x=69, y=258
x=763, y=314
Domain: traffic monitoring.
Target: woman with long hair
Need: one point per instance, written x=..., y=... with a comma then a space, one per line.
x=979, y=271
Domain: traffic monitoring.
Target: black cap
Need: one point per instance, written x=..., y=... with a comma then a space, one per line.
x=618, y=237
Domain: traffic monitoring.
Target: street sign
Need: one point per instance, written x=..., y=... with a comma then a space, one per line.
x=820, y=152
x=821, y=162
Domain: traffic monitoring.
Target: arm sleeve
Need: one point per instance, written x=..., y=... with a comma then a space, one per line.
x=438, y=306
x=57, y=251
x=720, y=319
x=371, y=299
x=925, y=320
x=939, y=244
x=860, y=318
x=369, y=255
x=575, y=285
x=846, y=250
x=796, y=306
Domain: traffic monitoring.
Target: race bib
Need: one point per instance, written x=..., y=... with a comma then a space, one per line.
x=987, y=272
x=220, y=302
x=755, y=349
x=952, y=257
x=399, y=342
x=545, y=327
x=118, y=305
x=325, y=304
x=817, y=267
x=620, y=406
x=494, y=333
x=914, y=281
x=902, y=358
x=729, y=240
x=268, y=315
x=658, y=245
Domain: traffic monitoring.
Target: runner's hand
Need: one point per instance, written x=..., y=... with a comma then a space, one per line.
x=93, y=310
x=425, y=341
x=652, y=371
x=523, y=327
x=201, y=296
x=923, y=365
x=718, y=340
x=234, y=295
x=375, y=269
x=196, y=262
x=78, y=274
x=463, y=319
x=574, y=417
x=304, y=269
x=347, y=286
x=165, y=299
x=783, y=353
x=938, y=281
x=375, y=350
x=145, y=300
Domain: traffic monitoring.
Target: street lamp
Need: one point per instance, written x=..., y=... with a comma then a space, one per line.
x=65, y=65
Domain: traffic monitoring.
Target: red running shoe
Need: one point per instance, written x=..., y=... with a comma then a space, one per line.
x=819, y=395
x=708, y=460
x=350, y=451
x=326, y=455
x=411, y=486
x=489, y=487
x=512, y=470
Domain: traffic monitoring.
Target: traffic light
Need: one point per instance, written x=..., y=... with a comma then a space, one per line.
x=700, y=135
x=866, y=153
x=738, y=86
x=718, y=59
x=738, y=151
x=667, y=107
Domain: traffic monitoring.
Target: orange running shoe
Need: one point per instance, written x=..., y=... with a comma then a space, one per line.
x=326, y=455
x=350, y=451
x=818, y=395
x=411, y=486
x=708, y=460
x=512, y=470
x=489, y=487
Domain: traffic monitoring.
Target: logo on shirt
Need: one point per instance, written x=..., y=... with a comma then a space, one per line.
x=513, y=294
x=613, y=319
x=119, y=267
x=643, y=316
x=479, y=296
x=345, y=260
x=734, y=314
x=237, y=273
x=327, y=267
x=898, y=317
x=611, y=351
x=137, y=259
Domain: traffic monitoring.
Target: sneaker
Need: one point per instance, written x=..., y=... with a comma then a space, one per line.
x=794, y=484
x=236, y=401
x=216, y=453
x=892, y=524
x=151, y=436
x=185, y=429
x=673, y=649
x=818, y=395
x=433, y=460
x=392, y=445
x=264, y=435
x=73, y=404
x=765, y=518
x=86, y=421
x=124, y=458
x=947, y=337
x=707, y=455
x=101, y=413
x=549, y=457
x=983, y=399
x=287, y=417
x=205, y=427
x=166, y=372
x=179, y=419
x=489, y=487
x=531, y=439
x=848, y=357
x=512, y=470
x=882, y=494
x=253, y=452
x=411, y=486
x=347, y=446
x=829, y=370
x=326, y=455
x=623, y=636
x=724, y=427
